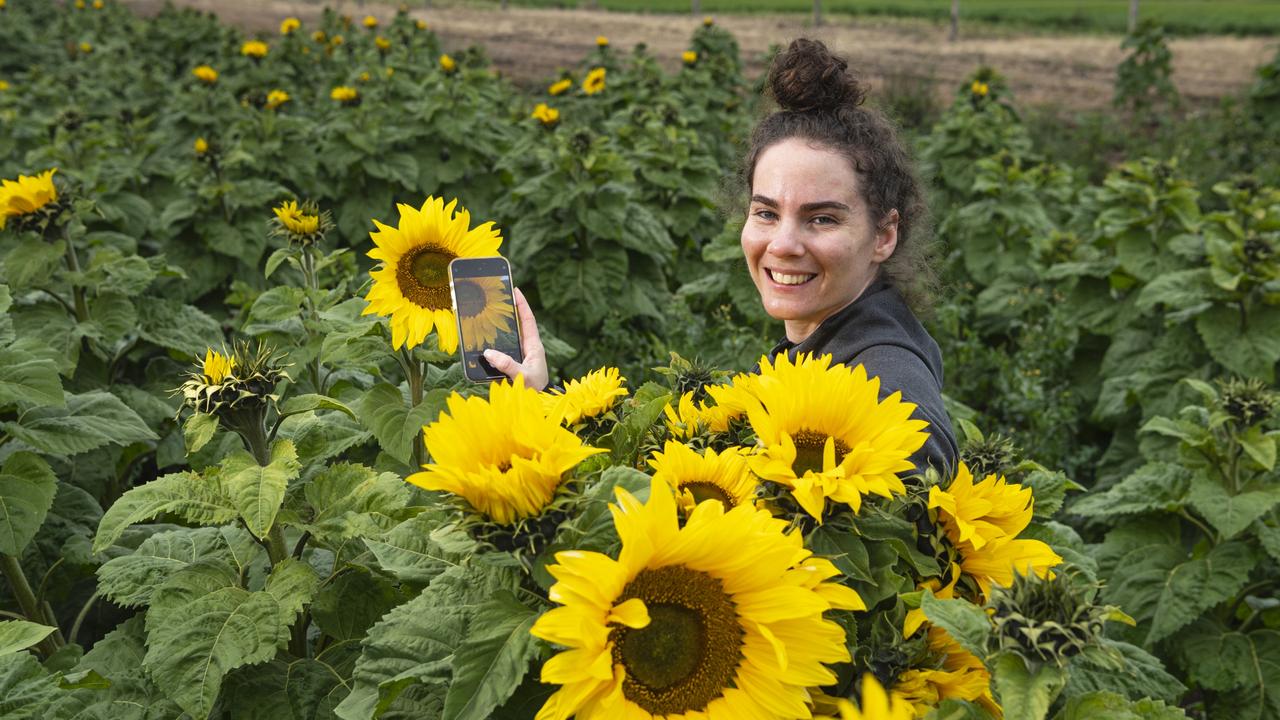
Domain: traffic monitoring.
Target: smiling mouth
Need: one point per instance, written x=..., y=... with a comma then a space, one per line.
x=790, y=278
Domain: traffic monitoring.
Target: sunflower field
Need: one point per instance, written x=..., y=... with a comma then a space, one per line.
x=242, y=474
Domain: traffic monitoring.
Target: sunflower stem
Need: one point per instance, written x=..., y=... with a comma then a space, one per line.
x=12, y=570
x=312, y=281
x=73, y=264
x=413, y=368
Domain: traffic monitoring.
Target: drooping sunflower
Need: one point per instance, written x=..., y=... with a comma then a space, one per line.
x=485, y=310
x=956, y=674
x=503, y=455
x=205, y=74
x=559, y=86
x=289, y=24
x=717, y=620
x=589, y=396
x=26, y=195
x=255, y=49
x=707, y=476
x=412, y=284
x=824, y=433
x=276, y=98
x=594, y=82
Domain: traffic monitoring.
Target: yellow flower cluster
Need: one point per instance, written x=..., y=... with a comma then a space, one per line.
x=602, y=41
x=382, y=43
x=546, y=114
x=216, y=366
x=26, y=195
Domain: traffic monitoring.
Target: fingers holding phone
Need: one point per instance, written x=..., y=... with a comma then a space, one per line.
x=534, y=356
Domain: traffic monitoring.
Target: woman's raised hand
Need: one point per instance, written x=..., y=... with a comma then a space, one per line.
x=534, y=367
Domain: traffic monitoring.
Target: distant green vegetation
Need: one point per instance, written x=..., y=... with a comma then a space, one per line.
x=1184, y=17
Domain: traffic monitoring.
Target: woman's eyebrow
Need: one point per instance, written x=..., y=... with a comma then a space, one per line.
x=807, y=207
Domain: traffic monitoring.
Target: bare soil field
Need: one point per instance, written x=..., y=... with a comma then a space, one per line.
x=529, y=45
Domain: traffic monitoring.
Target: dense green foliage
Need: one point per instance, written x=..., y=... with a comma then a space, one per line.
x=1112, y=328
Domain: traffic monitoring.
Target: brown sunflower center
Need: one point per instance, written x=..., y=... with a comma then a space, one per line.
x=471, y=298
x=809, y=448
x=705, y=490
x=690, y=650
x=423, y=277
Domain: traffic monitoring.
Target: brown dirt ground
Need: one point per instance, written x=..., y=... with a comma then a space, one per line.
x=528, y=45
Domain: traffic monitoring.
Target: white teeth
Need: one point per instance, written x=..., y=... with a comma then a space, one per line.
x=787, y=279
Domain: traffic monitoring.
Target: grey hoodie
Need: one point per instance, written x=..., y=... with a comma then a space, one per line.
x=880, y=332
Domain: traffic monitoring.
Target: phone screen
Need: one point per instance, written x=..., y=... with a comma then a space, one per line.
x=485, y=307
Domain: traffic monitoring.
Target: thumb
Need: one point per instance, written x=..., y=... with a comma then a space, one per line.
x=501, y=362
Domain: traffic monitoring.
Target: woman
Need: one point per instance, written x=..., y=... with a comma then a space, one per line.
x=830, y=240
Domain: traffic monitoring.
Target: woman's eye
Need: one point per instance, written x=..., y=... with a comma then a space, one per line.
x=766, y=214
x=824, y=220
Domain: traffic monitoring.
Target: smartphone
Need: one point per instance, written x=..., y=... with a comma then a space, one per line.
x=484, y=303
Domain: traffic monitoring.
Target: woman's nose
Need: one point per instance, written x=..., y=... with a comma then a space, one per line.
x=786, y=240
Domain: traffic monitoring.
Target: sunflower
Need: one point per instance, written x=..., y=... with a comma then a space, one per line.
x=370, y=21
x=503, y=455
x=689, y=57
x=421, y=24
x=447, y=64
x=345, y=94
x=382, y=44
x=823, y=432
x=602, y=41
x=276, y=98
x=319, y=36
x=719, y=618
x=485, y=311
x=686, y=418
x=707, y=21
x=982, y=522
x=86, y=48
x=594, y=82
x=591, y=395
x=708, y=476
x=412, y=285
x=98, y=4
x=216, y=366
x=560, y=86
x=546, y=115
x=296, y=220
x=336, y=41
x=255, y=49
x=876, y=704
x=26, y=195
x=4, y=85
x=289, y=24
x=206, y=74
x=979, y=88
x=957, y=674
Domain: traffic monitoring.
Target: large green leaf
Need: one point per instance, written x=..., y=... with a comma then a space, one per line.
x=489, y=666
x=1155, y=486
x=1115, y=707
x=176, y=326
x=32, y=261
x=1250, y=349
x=196, y=644
x=1243, y=668
x=348, y=604
x=965, y=622
x=385, y=412
x=89, y=420
x=1023, y=692
x=131, y=694
x=27, y=380
x=197, y=498
x=129, y=580
x=293, y=584
x=409, y=550
x=25, y=688
x=27, y=489
x=298, y=690
x=1119, y=667
x=18, y=635
x=259, y=491
x=347, y=500
x=1230, y=514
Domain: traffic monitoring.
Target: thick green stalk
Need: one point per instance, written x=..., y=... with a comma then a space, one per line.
x=73, y=264
x=27, y=601
x=414, y=368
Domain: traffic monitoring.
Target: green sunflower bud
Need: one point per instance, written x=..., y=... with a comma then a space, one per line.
x=1046, y=620
x=993, y=454
x=1247, y=402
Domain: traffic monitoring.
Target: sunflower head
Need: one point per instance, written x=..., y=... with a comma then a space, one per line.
x=590, y=397
x=702, y=618
x=319, y=36
x=690, y=376
x=559, y=86
x=370, y=22
x=85, y=48
x=989, y=455
x=382, y=44
x=255, y=49
x=448, y=64
x=421, y=24
x=689, y=57
x=346, y=95
x=503, y=456
x=602, y=41
x=696, y=477
x=945, y=671
x=546, y=115
x=301, y=225
x=411, y=285
x=1246, y=402
x=876, y=704
x=205, y=74
x=240, y=382
x=276, y=98
x=594, y=82
x=979, y=89
x=828, y=451
x=289, y=25
x=4, y=85
x=30, y=202
x=1047, y=620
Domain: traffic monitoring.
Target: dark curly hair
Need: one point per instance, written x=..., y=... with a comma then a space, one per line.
x=820, y=100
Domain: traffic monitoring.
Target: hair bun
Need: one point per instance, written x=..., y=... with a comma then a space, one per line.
x=807, y=77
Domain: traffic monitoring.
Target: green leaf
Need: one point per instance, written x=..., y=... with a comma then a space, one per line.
x=279, y=303
x=27, y=489
x=409, y=552
x=1155, y=486
x=32, y=262
x=197, y=498
x=259, y=491
x=1244, y=668
x=1230, y=514
x=297, y=690
x=1184, y=430
x=198, y=430
x=1251, y=349
x=27, y=380
x=352, y=601
x=274, y=260
x=1024, y=693
x=306, y=403
x=176, y=326
x=1115, y=707
x=195, y=645
x=293, y=584
x=843, y=548
x=16, y=635
x=88, y=421
x=1118, y=667
x=1177, y=290
x=349, y=500
x=130, y=580
x=1260, y=446
x=965, y=622
x=489, y=666
x=83, y=680
x=624, y=440
x=25, y=688
x=384, y=411
x=131, y=696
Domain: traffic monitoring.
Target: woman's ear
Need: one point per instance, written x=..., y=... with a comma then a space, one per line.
x=886, y=237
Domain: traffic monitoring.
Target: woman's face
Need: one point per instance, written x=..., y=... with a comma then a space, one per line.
x=809, y=242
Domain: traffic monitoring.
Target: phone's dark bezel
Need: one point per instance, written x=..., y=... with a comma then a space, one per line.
x=481, y=267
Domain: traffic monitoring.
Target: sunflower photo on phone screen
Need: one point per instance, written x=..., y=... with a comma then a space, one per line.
x=485, y=311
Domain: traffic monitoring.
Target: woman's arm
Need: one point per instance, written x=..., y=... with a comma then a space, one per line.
x=901, y=370
x=534, y=367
